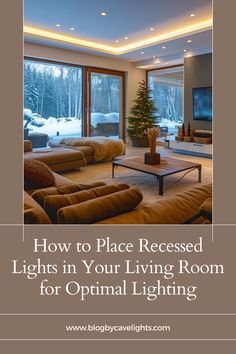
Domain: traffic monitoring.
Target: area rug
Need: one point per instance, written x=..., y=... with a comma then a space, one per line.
x=148, y=184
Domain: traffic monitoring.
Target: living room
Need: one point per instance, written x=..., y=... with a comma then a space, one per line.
x=81, y=86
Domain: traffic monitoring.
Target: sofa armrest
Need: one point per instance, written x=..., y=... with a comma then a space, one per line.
x=28, y=146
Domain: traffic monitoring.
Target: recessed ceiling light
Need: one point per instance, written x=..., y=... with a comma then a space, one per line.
x=125, y=37
x=142, y=53
x=103, y=13
x=71, y=28
x=58, y=25
x=117, y=41
x=185, y=50
x=192, y=15
x=151, y=28
x=189, y=41
x=163, y=47
x=154, y=57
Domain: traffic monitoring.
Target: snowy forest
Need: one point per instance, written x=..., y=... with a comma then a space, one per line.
x=168, y=96
x=56, y=91
x=53, y=97
x=53, y=90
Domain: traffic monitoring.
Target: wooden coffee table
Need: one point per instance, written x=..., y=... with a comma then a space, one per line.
x=168, y=166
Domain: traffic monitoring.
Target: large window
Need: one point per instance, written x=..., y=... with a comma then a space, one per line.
x=167, y=91
x=57, y=101
x=52, y=98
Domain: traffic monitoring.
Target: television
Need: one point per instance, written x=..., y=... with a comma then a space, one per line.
x=202, y=103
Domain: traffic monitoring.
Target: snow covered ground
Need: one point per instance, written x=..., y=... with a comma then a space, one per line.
x=65, y=126
x=61, y=126
x=73, y=126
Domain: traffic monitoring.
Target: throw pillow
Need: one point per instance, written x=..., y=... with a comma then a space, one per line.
x=53, y=203
x=37, y=174
x=41, y=194
x=94, y=210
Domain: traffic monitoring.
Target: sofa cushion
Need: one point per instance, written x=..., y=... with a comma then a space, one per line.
x=168, y=210
x=37, y=174
x=55, y=156
x=53, y=203
x=28, y=146
x=39, y=195
x=33, y=213
x=101, y=208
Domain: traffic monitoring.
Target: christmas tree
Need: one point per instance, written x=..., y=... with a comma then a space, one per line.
x=143, y=113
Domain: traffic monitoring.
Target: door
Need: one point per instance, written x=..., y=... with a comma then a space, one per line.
x=106, y=103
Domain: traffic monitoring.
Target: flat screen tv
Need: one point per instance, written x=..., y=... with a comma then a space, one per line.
x=202, y=103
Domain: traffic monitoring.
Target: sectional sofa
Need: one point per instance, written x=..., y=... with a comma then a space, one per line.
x=58, y=159
x=70, y=203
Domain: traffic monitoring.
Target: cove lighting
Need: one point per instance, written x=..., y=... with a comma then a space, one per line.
x=117, y=50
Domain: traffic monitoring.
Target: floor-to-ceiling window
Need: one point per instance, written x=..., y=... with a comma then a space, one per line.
x=63, y=100
x=167, y=91
x=53, y=98
x=106, y=103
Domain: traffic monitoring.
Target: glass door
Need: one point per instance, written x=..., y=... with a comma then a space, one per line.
x=106, y=103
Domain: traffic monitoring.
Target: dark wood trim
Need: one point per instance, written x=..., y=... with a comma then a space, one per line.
x=165, y=67
x=88, y=94
x=85, y=102
x=56, y=62
x=124, y=107
x=106, y=71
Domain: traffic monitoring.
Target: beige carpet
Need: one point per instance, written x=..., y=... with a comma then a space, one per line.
x=147, y=183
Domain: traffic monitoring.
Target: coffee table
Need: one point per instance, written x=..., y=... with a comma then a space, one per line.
x=168, y=166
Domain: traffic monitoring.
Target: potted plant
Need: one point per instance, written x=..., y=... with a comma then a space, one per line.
x=142, y=116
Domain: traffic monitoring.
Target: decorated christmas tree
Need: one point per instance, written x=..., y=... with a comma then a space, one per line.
x=142, y=114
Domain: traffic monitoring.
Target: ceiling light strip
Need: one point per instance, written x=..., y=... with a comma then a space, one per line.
x=38, y=32
x=177, y=33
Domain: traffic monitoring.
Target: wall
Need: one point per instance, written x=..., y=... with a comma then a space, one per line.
x=197, y=73
x=133, y=75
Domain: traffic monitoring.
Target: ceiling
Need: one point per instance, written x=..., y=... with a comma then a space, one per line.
x=93, y=33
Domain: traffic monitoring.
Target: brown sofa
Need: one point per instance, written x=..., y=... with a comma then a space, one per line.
x=58, y=159
x=168, y=210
